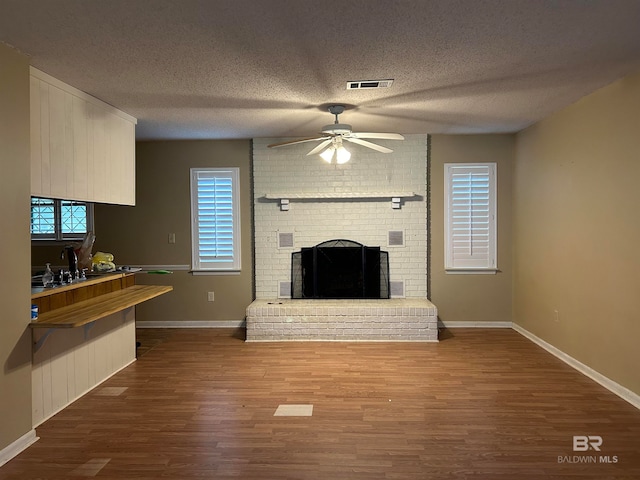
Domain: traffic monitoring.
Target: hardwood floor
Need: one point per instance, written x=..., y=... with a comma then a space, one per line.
x=481, y=404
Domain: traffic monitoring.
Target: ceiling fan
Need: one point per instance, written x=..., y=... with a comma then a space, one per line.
x=333, y=135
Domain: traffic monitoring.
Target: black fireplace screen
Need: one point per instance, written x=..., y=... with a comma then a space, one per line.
x=340, y=269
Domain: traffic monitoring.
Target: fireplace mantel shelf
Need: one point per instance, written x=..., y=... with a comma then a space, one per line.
x=285, y=198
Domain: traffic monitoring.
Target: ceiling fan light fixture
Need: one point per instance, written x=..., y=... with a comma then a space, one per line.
x=336, y=148
x=327, y=155
x=342, y=155
x=333, y=135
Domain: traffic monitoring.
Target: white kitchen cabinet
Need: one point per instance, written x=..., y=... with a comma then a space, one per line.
x=81, y=148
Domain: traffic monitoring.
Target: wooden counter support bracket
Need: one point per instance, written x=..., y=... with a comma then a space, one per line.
x=88, y=327
x=38, y=345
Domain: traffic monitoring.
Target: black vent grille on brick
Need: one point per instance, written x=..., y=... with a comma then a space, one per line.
x=285, y=240
x=396, y=289
x=284, y=290
x=396, y=238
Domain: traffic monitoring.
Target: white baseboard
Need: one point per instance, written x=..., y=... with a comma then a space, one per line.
x=616, y=388
x=191, y=324
x=15, y=448
x=474, y=324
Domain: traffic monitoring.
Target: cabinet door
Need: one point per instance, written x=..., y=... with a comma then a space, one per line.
x=113, y=140
x=110, y=158
x=40, y=170
x=52, y=141
x=59, y=161
x=122, y=160
x=81, y=148
x=81, y=176
x=98, y=158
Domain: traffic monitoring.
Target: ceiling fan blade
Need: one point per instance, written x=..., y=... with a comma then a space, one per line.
x=364, y=143
x=293, y=142
x=320, y=146
x=385, y=136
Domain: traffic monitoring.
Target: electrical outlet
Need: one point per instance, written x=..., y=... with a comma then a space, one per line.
x=556, y=316
x=210, y=296
x=172, y=238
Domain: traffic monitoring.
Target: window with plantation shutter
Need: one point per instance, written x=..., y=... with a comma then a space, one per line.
x=215, y=219
x=470, y=217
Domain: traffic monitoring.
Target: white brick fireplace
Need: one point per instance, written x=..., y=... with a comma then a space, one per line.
x=301, y=201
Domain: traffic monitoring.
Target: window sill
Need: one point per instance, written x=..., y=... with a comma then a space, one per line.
x=45, y=242
x=471, y=271
x=214, y=272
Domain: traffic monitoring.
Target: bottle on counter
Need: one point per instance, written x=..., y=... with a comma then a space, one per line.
x=47, y=276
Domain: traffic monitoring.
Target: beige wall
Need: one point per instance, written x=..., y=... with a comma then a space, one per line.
x=462, y=297
x=139, y=235
x=15, y=336
x=577, y=231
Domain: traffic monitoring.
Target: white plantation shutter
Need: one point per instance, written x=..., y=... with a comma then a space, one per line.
x=215, y=215
x=470, y=216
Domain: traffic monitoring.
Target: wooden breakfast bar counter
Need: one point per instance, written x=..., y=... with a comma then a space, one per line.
x=84, y=334
x=76, y=305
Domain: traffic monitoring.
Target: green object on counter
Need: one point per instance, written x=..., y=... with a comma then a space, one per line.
x=160, y=272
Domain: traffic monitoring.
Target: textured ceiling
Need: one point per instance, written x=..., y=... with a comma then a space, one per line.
x=268, y=68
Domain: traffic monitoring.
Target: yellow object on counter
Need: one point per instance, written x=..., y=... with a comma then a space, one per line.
x=103, y=262
x=104, y=267
x=102, y=257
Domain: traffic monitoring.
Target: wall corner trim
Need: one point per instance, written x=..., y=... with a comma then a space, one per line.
x=14, y=449
x=616, y=388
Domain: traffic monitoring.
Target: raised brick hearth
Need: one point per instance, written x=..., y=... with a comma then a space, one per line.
x=391, y=320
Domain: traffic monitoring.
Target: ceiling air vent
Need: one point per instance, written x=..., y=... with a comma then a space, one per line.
x=364, y=84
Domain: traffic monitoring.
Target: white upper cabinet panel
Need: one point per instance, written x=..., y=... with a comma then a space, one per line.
x=81, y=148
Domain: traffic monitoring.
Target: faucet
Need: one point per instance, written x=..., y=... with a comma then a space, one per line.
x=61, y=275
x=73, y=261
